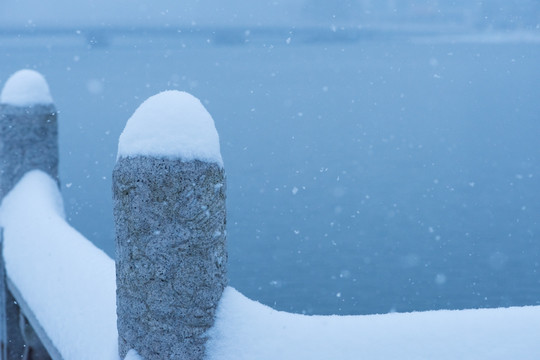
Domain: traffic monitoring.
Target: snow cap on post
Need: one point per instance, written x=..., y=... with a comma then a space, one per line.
x=25, y=88
x=172, y=124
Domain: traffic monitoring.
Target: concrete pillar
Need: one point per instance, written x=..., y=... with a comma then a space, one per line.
x=28, y=141
x=169, y=209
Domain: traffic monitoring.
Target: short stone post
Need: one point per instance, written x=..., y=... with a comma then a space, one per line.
x=28, y=140
x=169, y=208
x=28, y=129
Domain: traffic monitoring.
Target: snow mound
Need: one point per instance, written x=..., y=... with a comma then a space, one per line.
x=69, y=284
x=245, y=329
x=133, y=355
x=26, y=87
x=171, y=124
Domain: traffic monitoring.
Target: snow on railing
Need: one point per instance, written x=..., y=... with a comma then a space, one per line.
x=60, y=296
x=64, y=285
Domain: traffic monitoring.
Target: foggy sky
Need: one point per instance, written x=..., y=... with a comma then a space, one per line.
x=165, y=13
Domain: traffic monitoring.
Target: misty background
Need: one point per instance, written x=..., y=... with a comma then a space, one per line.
x=381, y=155
x=291, y=13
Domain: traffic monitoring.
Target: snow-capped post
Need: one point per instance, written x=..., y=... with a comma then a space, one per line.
x=28, y=140
x=169, y=209
x=28, y=129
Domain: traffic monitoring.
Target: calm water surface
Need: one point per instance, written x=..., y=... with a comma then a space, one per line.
x=363, y=177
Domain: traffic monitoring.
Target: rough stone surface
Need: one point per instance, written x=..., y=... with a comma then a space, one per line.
x=28, y=140
x=15, y=341
x=3, y=301
x=170, y=254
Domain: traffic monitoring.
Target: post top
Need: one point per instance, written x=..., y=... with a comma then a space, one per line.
x=171, y=124
x=26, y=87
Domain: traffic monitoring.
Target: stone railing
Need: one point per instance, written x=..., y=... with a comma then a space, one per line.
x=169, y=207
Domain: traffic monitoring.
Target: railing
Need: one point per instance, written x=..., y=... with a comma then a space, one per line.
x=169, y=205
x=166, y=296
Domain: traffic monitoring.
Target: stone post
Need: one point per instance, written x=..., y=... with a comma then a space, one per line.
x=28, y=141
x=169, y=209
x=28, y=129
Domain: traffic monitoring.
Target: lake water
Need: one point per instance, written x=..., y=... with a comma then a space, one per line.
x=363, y=177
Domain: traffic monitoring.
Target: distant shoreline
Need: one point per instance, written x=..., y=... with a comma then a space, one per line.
x=238, y=35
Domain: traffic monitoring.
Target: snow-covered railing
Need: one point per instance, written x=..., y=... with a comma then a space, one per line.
x=58, y=288
x=60, y=296
x=64, y=285
x=169, y=196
